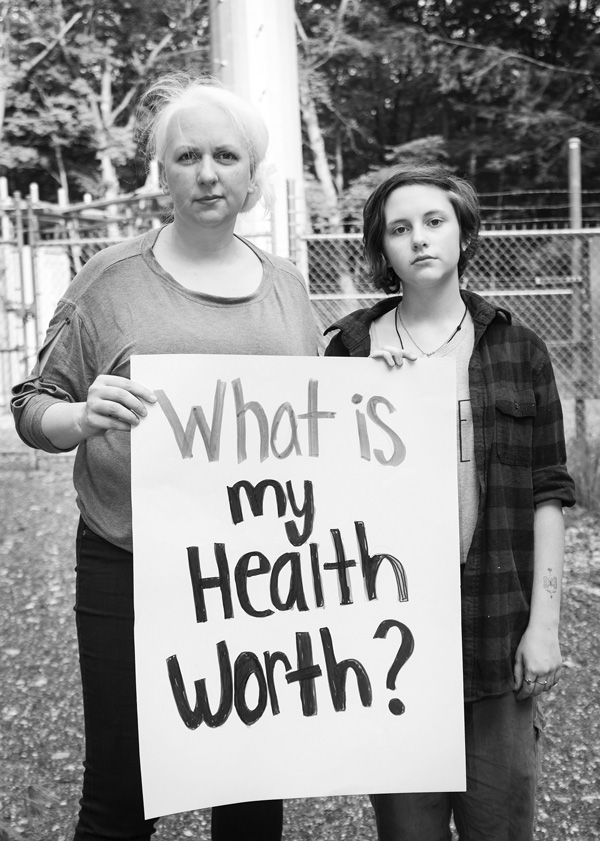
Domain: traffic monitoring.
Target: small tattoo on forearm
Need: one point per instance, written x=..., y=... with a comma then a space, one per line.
x=550, y=583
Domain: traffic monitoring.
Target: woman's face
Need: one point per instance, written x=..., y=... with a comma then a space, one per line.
x=206, y=167
x=422, y=235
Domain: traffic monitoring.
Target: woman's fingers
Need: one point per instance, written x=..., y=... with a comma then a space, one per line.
x=116, y=403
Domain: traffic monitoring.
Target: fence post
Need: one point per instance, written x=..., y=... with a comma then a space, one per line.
x=33, y=226
x=297, y=246
x=594, y=269
x=575, y=219
x=19, y=233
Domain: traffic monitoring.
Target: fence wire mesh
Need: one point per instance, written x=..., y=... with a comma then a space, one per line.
x=548, y=279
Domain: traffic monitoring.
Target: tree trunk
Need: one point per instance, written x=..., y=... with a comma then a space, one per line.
x=317, y=147
x=62, y=172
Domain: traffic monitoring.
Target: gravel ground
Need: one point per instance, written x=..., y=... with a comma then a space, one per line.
x=41, y=722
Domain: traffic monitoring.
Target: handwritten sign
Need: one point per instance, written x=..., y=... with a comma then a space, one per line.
x=296, y=563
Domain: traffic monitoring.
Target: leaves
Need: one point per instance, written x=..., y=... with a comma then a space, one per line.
x=504, y=83
x=73, y=93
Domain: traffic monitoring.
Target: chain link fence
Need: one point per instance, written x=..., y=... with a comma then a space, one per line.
x=548, y=279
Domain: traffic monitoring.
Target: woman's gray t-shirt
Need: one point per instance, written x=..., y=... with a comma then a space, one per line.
x=123, y=302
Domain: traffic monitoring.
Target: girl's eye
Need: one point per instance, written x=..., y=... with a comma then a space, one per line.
x=400, y=229
x=435, y=223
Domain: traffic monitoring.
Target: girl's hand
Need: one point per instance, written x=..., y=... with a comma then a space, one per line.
x=113, y=403
x=393, y=355
x=538, y=663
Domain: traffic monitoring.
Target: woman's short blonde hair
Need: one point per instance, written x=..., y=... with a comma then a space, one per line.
x=174, y=91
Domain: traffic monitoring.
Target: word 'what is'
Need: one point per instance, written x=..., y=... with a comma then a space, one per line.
x=280, y=436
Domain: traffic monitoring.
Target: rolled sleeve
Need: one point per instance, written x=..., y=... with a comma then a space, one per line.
x=551, y=479
x=62, y=374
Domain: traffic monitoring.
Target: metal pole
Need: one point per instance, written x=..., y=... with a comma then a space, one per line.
x=33, y=225
x=575, y=216
x=575, y=221
x=254, y=53
x=21, y=255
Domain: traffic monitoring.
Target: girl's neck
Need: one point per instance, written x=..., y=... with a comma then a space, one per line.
x=432, y=305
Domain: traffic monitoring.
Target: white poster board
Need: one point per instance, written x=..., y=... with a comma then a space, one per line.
x=296, y=571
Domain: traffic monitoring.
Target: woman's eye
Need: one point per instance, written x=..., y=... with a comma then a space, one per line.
x=187, y=156
x=227, y=156
x=435, y=223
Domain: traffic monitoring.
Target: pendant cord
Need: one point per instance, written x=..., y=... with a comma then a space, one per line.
x=433, y=352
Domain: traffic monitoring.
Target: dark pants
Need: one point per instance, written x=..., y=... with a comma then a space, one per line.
x=111, y=803
x=501, y=736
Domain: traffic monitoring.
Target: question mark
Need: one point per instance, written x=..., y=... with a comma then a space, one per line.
x=407, y=646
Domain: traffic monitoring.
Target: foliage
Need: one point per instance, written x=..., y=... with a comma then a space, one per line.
x=76, y=68
x=504, y=83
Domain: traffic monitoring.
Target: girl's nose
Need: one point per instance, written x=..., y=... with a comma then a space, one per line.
x=419, y=240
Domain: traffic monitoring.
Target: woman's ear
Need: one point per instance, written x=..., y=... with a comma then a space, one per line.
x=162, y=181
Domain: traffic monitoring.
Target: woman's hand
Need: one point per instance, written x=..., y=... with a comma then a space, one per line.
x=392, y=354
x=538, y=662
x=112, y=403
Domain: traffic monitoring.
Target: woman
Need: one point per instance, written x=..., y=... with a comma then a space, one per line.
x=192, y=286
x=420, y=229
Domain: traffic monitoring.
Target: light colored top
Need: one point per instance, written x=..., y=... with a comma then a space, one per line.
x=123, y=302
x=383, y=332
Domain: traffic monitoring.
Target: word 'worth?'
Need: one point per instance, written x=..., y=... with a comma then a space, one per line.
x=281, y=435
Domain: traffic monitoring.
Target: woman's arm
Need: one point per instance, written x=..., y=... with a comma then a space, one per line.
x=112, y=403
x=538, y=659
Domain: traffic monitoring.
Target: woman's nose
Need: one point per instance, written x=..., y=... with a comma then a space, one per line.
x=206, y=171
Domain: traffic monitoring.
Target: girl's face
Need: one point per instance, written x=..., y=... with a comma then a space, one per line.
x=422, y=237
x=206, y=167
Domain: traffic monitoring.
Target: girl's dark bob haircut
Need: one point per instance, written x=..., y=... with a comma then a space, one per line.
x=462, y=196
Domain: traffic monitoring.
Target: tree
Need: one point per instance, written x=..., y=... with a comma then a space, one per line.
x=504, y=84
x=72, y=99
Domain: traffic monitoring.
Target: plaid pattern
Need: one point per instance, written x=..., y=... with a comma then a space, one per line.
x=521, y=461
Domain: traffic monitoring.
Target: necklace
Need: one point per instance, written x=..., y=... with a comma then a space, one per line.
x=433, y=352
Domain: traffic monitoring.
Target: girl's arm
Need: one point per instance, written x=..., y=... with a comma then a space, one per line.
x=538, y=661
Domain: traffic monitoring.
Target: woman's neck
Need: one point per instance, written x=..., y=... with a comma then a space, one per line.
x=226, y=268
x=200, y=245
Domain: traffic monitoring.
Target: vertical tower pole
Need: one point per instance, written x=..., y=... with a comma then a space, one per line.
x=254, y=53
